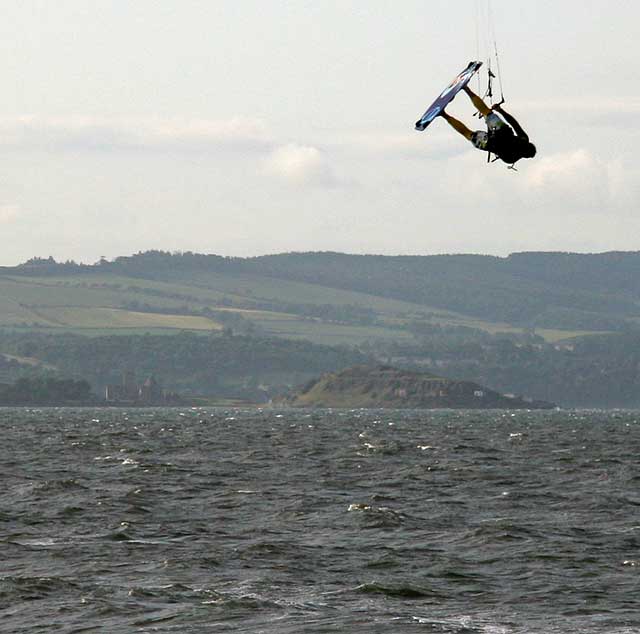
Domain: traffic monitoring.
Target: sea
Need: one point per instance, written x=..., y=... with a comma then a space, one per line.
x=286, y=521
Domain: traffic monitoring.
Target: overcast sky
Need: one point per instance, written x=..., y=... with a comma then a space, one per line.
x=247, y=127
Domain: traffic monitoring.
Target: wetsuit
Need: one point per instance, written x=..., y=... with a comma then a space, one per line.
x=510, y=144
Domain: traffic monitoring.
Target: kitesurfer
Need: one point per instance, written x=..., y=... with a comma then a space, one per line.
x=508, y=142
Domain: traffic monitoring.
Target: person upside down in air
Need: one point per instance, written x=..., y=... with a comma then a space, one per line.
x=508, y=142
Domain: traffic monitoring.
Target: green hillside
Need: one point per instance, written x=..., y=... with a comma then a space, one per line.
x=521, y=324
x=323, y=297
x=97, y=304
x=520, y=289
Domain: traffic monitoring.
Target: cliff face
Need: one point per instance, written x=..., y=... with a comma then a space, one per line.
x=383, y=386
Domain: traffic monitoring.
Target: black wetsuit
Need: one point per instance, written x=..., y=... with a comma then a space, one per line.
x=509, y=144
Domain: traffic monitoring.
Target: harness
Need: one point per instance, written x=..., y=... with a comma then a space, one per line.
x=493, y=135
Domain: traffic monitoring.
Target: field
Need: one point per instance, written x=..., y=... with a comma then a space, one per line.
x=104, y=303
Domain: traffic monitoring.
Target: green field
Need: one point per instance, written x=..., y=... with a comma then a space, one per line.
x=114, y=318
x=102, y=303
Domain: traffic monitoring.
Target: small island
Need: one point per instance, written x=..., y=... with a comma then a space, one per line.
x=388, y=387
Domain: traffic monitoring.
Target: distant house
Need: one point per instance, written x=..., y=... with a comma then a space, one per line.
x=114, y=393
x=129, y=385
x=127, y=390
x=149, y=393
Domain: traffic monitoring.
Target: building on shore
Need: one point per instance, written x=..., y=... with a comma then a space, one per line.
x=149, y=392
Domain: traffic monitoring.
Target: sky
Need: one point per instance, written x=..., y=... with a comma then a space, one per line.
x=248, y=127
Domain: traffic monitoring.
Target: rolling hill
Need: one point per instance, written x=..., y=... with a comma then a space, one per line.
x=558, y=327
x=327, y=297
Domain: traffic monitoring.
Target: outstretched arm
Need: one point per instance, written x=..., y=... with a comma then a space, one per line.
x=511, y=120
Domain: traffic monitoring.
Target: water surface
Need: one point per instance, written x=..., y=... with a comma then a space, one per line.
x=211, y=520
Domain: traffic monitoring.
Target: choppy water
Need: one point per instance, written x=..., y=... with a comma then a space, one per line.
x=290, y=521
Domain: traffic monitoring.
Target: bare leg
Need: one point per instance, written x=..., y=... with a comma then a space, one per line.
x=478, y=104
x=458, y=126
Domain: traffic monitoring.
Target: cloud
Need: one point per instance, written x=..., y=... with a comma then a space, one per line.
x=578, y=177
x=301, y=165
x=552, y=186
x=439, y=142
x=562, y=169
x=608, y=112
x=573, y=177
x=8, y=213
x=143, y=134
x=295, y=163
x=571, y=105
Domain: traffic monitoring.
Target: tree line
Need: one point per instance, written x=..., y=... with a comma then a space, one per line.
x=47, y=390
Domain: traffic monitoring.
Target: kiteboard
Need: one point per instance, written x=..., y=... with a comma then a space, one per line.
x=447, y=95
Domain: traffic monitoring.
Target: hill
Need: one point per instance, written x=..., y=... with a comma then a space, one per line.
x=559, y=290
x=315, y=295
x=387, y=387
x=559, y=327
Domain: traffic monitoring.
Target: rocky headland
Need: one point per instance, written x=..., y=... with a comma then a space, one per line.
x=388, y=387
